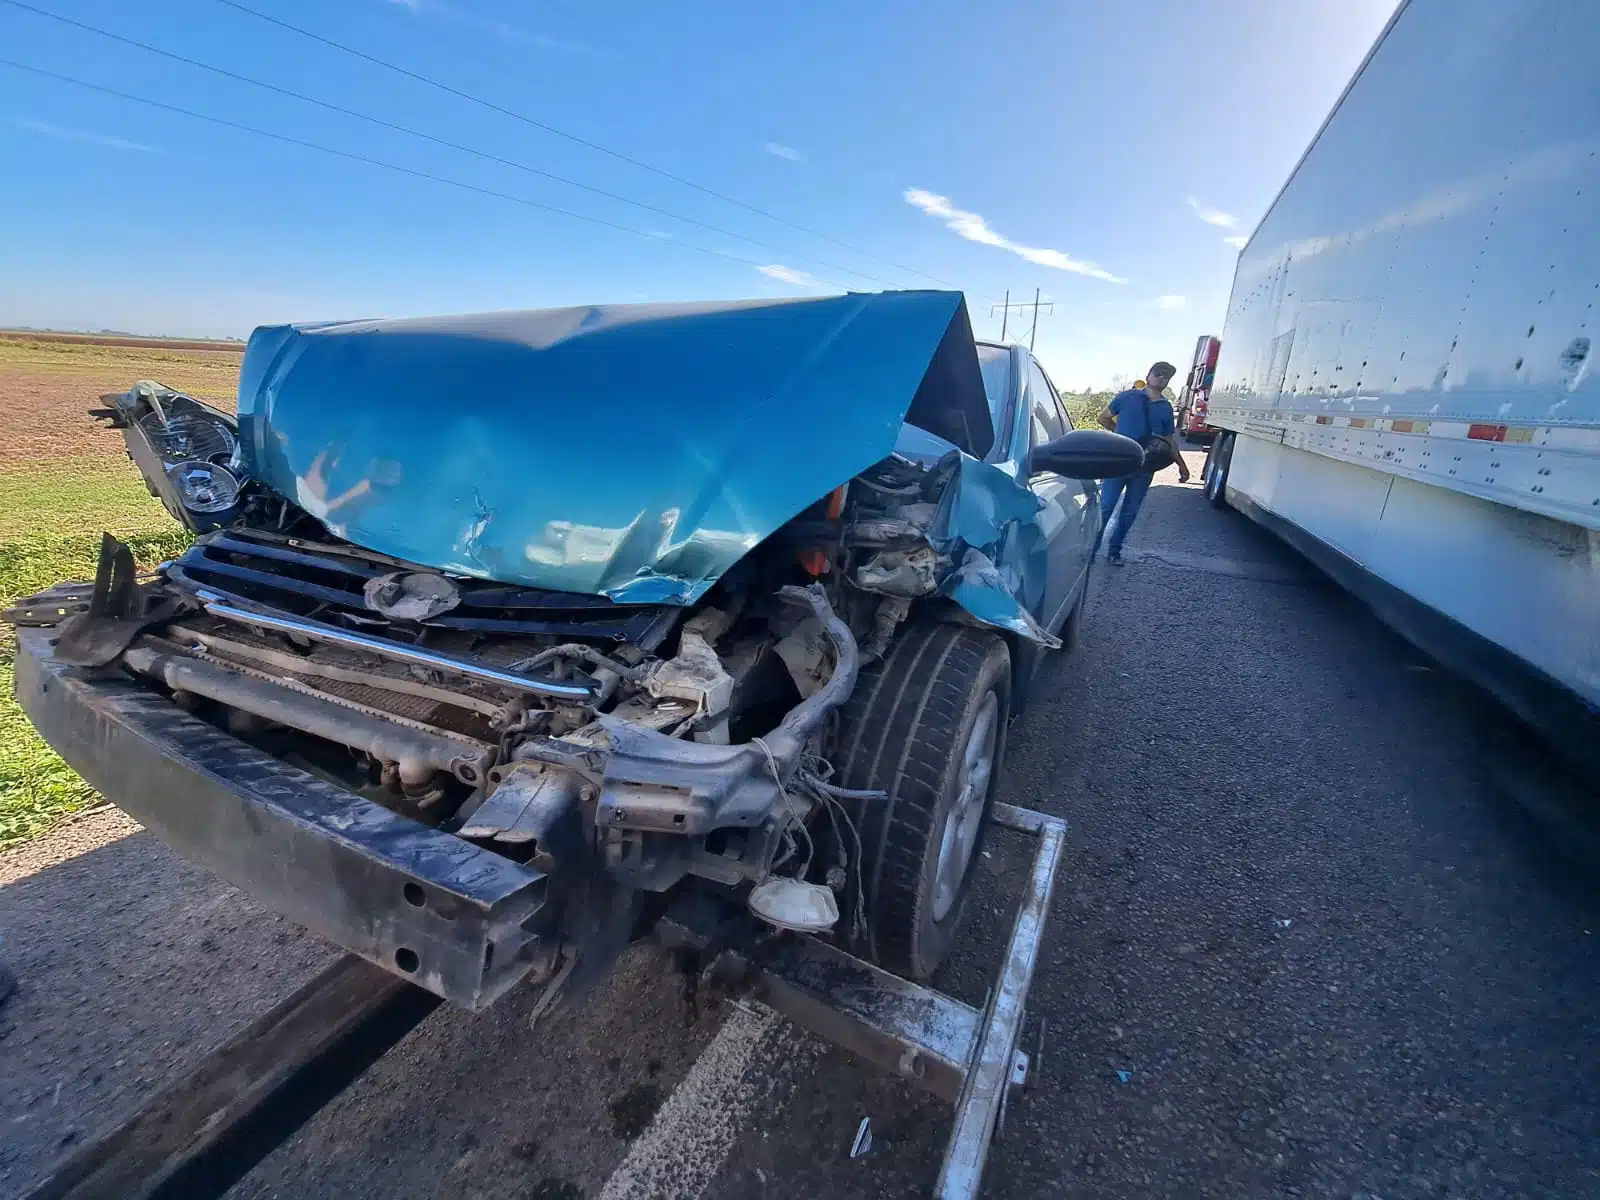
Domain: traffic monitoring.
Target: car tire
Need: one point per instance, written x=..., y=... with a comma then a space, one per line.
x=927, y=726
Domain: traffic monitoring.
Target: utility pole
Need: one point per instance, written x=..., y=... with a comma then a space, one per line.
x=1005, y=309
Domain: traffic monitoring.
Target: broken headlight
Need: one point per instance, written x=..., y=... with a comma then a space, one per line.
x=204, y=487
x=187, y=451
x=187, y=437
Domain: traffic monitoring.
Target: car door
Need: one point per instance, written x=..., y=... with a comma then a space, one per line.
x=1088, y=510
x=1063, y=517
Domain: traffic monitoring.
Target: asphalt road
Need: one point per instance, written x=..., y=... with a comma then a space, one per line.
x=1306, y=942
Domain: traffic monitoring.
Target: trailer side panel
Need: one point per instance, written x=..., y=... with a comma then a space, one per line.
x=1407, y=386
x=1420, y=298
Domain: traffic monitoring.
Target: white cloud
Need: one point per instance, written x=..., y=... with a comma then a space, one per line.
x=1213, y=216
x=1172, y=303
x=82, y=135
x=1236, y=240
x=500, y=30
x=975, y=229
x=789, y=275
x=779, y=150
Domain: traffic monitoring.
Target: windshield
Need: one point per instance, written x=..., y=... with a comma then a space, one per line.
x=995, y=362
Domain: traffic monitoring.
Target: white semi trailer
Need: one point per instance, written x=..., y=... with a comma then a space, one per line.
x=1407, y=389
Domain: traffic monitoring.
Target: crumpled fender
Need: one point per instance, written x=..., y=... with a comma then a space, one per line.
x=984, y=512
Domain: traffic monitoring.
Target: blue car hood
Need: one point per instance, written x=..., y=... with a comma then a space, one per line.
x=630, y=451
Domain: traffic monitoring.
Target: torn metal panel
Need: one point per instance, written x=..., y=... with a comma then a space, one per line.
x=655, y=782
x=695, y=675
x=979, y=587
x=983, y=539
x=805, y=654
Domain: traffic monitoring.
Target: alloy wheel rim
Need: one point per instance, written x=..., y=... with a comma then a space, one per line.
x=959, y=838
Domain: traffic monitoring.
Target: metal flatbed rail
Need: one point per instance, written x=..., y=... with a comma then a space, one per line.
x=202, y=1133
x=205, y=1131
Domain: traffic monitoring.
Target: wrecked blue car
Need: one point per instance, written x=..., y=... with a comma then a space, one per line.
x=499, y=631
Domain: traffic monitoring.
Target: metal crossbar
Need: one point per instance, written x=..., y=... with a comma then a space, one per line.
x=959, y=1053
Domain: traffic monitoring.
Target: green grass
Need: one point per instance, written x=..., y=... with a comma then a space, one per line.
x=51, y=518
x=1084, y=410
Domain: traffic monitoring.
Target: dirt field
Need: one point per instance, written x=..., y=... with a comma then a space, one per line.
x=128, y=340
x=63, y=480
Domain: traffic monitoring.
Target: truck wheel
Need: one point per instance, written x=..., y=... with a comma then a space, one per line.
x=1217, y=470
x=927, y=725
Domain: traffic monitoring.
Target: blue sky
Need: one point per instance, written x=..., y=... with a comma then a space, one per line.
x=1104, y=153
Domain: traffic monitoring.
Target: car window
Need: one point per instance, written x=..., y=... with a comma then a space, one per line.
x=995, y=362
x=1045, y=410
x=1061, y=405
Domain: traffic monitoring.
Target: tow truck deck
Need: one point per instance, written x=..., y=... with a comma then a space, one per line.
x=208, y=1127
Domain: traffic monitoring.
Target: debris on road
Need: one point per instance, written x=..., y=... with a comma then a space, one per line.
x=863, y=1142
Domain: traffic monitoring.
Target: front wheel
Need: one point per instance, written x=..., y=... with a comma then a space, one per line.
x=926, y=725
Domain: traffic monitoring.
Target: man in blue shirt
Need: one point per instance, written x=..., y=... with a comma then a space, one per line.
x=1143, y=414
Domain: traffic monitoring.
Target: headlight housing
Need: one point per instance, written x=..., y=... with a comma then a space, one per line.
x=187, y=451
x=204, y=487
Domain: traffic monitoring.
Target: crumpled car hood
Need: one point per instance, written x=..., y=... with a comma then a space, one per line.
x=630, y=451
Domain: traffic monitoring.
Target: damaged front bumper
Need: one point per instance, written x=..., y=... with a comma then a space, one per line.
x=459, y=920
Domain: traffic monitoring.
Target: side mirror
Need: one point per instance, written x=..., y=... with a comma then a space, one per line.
x=1088, y=454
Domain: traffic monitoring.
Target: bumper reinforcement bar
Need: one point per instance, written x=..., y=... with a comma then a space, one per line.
x=440, y=912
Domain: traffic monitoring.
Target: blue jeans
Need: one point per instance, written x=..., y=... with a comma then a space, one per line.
x=1130, y=489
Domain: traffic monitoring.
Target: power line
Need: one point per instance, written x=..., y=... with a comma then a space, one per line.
x=373, y=162
x=572, y=137
x=417, y=133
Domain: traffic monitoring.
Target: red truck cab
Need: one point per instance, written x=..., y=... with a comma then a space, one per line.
x=1196, y=397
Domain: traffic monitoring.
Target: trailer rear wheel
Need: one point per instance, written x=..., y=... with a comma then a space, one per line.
x=1216, y=470
x=927, y=725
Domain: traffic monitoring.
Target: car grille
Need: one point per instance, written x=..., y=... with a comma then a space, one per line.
x=293, y=576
